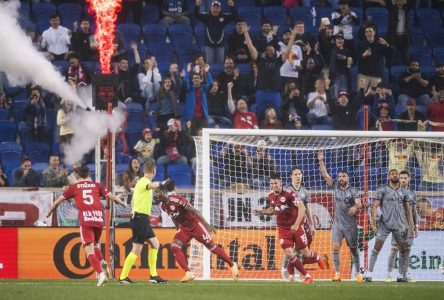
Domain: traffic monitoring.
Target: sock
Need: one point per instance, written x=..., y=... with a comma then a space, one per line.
x=314, y=258
x=152, y=261
x=98, y=253
x=297, y=263
x=336, y=262
x=290, y=266
x=407, y=262
x=221, y=253
x=285, y=262
x=180, y=258
x=391, y=259
x=95, y=263
x=402, y=259
x=373, y=258
x=129, y=262
x=355, y=259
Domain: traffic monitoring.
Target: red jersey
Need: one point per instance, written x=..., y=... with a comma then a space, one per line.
x=284, y=204
x=245, y=120
x=175, y=208
x=87, y=194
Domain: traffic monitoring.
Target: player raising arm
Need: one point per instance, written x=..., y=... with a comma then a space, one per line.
x=190, y=224
x=86, y=194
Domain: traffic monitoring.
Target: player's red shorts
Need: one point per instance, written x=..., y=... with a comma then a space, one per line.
x=89, y=234
x=308, y=233
x=289, y=238
x=199, y=232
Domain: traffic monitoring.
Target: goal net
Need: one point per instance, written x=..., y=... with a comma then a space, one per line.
x=232, y=180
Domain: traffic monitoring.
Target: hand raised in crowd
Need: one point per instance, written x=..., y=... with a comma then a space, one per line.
x=133, y=45
x=362, y=83
x=230, y=85
x=367, y=52
x=274, y=30
x=207, y=68
x=230, y=3
x=236, y=73
x=327, y=83
x=382, y=41
x=198, y=2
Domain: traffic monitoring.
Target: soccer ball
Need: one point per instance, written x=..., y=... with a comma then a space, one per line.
x=363, y=271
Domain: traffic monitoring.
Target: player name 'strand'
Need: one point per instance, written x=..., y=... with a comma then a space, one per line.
x=95, y=216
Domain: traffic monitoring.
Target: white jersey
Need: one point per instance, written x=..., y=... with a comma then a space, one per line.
x=294, y=59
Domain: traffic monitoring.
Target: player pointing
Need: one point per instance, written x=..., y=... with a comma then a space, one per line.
x=190, y=224
x=346, y=204
x=290, y=214
x=86, y=194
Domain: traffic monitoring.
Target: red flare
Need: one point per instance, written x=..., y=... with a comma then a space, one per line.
x=105, y=12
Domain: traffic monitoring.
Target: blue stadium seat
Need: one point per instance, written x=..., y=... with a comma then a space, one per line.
x=61, y=65
x=19, y=110
x=182, y=179
x=215, y=69
x=130, y=32
x=323, y=12
x=302, y=14
x=160, y=173
x=55, y=148
x=417, y=36
x=186, y=53
x=42, y=25
x=422, y=53
x=163, y=52
x=252, y=15
x=8, y=131
x=154, y=33
x=4, y=114
x=434, y=36
x=10, y=153
x=277, y=15
x=428, y=18
x=379, y=16
x=321, y=127
x=43, y=11
x=177, y=168
x=37, y=151
x=122, y=158
x=150, y=14
x=133, y=133
x=135, y=113
x=69, y=13
x=120, y=169
x=180, y=33
x=200, y=33
x=28, y=24
x=246, y=3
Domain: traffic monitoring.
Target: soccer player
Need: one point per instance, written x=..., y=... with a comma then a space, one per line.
x=404, y=180
x=346, y=204
x=190, y=224
x=298, y=189
x=395, y=209
x=140, y=224
x=290, y=213
x=86, y=194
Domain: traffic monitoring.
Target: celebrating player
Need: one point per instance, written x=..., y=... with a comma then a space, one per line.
x=140, y=224
x=86, y=194
x=346, y=205
x=404, y=180
x=290, y=213
x=190, y=224
x=395, y=214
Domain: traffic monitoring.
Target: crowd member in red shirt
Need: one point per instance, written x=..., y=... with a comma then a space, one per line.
x=436, y=111
x=241, y=117
x=86, y=194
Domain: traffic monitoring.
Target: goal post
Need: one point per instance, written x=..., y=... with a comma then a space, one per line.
x=230, y=186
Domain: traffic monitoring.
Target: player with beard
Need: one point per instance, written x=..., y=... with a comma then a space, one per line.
x=346, y=205
x=404, y=180
x=395, y=214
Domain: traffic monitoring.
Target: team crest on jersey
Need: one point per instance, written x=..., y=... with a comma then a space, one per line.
x=221, y=19
x=283, y=199
x=172, y=207
x=281, y=241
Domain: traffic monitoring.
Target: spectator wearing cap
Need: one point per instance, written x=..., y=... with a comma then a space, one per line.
x=413, y=119
x=271, y=120
x=398, y=32
x=295, y=123
x=343, y=20
x=173, y=144
x=384, y=122
x=83, y=41
x=436, y=111
x=237, y=47
x=293, y=64
x=317, y=102
x=381, y=94
x=77, y=74
x=56, y=39
x=196, y=105
x=25, y=175
x=344, y=111
x=413, y=84
x=215, y=22
x=145, y=146
x=241, y=117
x=268, y=36
x=174, y=12
x=437, y=80
x=339, y=69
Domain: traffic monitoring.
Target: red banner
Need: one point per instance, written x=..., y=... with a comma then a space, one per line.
x=8, y=253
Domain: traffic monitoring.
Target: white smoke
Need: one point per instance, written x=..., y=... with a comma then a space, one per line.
x=24, y=64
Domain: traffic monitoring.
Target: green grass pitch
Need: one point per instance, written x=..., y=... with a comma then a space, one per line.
x=216, y=289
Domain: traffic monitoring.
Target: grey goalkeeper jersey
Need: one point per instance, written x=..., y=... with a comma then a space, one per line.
x=302, y=192
x=343, y=201
x=392, y=206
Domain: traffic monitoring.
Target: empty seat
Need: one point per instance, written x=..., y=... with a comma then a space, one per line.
x=130, y=32
x=37, y=152
x=8, y=131
x=154, y=33
x=10, y=153
x=180, y=33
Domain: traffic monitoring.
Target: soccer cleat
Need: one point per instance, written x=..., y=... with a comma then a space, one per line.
x=337, y=278
x=189, y=276
x=284, y=274
x=125, y=281
x=157, y=279
x=290, y=278
x=308, y=280
x=321, y=263
x=368, y=279
x=409, y=279
x=105, y=268
x=297, y=278
x=359, y=277
x=235, y=272
x=400, y=279
x=102, y=279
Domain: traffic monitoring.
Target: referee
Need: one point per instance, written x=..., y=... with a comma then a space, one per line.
x=140, y=224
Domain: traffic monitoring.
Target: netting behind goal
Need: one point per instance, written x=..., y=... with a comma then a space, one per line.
x=231, y=183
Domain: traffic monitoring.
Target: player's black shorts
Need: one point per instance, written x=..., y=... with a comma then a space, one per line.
x=141, y=228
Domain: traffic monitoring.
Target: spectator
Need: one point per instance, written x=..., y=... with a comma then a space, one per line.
x=413, y=120
x=230, y=74
x=431, y=162
x=293, y=104
x=56, y=39
x=83, y=42
x=370, y=56
x=217, y=104
x=317, y=104
x=237, y=47
x=77, y=74
x=310, y=73
x=215, y=22
x=35, y=116
x=295, y=123
x=64, y=117
x=271, y=120
x=437, y=80
x=241, y=117
x=414, y=85
x=398, y=32
x=303, y=39
x=167, y=104
x=131, y=11
x=3, y=178
x=145, y=146
x=174, y=12
x=176, y=80
x=267, y=36
x=381, y=94
x=74, y=176
x=130, y=178
x=127, y=91
x=343, y=20
x=384, y=122
x=249, y=83
x=289, y=70
x=149, y=79
x=54, y=176
x=326, y=43
x=340, y=63
x=196, y=106
x=191, y=148
x=235, y=163
x=119, y=50
x=436, y=111
x=262, y=165
x=173, y=141
x=25, y=175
